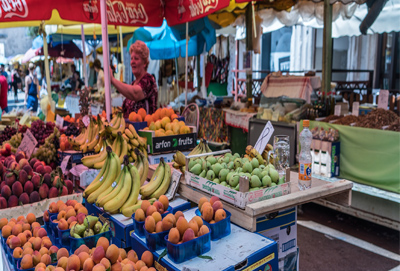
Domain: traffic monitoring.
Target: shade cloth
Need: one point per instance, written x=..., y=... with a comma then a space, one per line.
x=238, y=119
x=368, y=156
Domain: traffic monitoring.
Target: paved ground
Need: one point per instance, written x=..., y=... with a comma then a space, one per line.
x=330, y=240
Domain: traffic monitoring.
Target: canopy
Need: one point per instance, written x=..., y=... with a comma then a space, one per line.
x=163, y=44
x=68, y=50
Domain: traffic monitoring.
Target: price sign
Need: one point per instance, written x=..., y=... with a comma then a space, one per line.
x=59, y=121
x=64, y=164
x=266, y=134
x=86, y=120
x=338, y=110
x=28, y=144
x=173, y=187
x=356, y=107
x=383, y=98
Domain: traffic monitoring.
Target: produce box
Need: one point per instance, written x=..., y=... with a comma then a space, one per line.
x=237, y=198
x=281, y=226
x=141, y=125
x=75, y=156
x=241, y=250
x=168, y=157
x=169, y=143
x=321, y=165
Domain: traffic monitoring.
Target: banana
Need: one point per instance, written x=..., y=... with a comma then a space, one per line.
x=133, y=131
x=115, y=189
x=117, y=146
x=119, y=127
x=115, y=168
x=129, y=210
x=143, y=177
x=93, y=143
x=99, y=178
x=129, y=134
x=154, y=182
x=139, y=165
x=125, y=137
x=118, y=201
x=134, y=142
x=135, y=188
x=176, y=165
x=115, y=122
x=179, y=158
x=101, y=144
x=124, y=150
x=163, y=188
x=92, y=160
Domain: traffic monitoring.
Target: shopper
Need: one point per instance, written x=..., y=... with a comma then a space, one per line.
x=3, y=93
x=76, y=82
x=17, y=82
x=100, y=74
x=143, y=91
x=31, y=89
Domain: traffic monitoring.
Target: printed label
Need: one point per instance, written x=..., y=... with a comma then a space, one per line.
x=305, y=171
x=114, y=184
x=101, y=179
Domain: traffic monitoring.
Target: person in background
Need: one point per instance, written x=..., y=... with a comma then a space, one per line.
x=3, y=71
x=100, y=74
x=3, y=93
x=76, y=83
x=31, y=89
x=143, y=91
x=17, y=82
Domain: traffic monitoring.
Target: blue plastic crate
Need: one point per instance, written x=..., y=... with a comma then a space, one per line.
x=155, y=241
x=182, y=252
x=138, y=226
x=90, y=241
x=53, y=226
x=63, y=237
x=219, y=229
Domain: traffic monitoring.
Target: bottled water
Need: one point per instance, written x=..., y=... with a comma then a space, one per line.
x=305, y=158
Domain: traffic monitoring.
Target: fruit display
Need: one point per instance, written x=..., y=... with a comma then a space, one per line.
x=70, y=211
x=15, y=140
x=212, y=211
x=72, y=130
x=155, y=208
x=89, y=136
x=28, y=241
x=103, y=257
x=159, y=182
x=7, y=133
x=180, y=159
x=26, y=182
x=48, y=151
x=227, y=169
x=89, y=226
x=41, y=130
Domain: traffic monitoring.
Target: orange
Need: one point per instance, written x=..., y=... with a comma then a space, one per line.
x=142, y=112
x=132, y=116
x=149, y=119
x=174, y=116
x=138, y=118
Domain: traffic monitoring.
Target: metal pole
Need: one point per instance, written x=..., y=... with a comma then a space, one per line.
x=249, y=47
x=84, y=56
x=327, y=48
x=47, y=70
x=186, y=62
x=106, y=58
x=122, y=52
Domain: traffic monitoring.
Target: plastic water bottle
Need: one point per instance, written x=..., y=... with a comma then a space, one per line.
x=305, y=158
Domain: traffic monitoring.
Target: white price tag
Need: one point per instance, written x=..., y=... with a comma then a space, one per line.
x=264, y=137
x=28, y=144
x=64, y=164
x=383, y=98
x=173, y=186
x=86, y=120
x=59, y=121
x=338, y=110
x=356, y=107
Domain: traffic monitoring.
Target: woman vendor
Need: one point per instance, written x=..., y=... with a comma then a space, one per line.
x=143, y=91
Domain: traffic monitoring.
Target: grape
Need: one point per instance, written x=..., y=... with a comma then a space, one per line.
x=7, y=133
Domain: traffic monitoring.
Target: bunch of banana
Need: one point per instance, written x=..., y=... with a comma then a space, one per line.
x=129, y=210
x=179, y=161
x=104, y=180
x=120, y=147
x=159, y=182
x=134, y=142
x=253, y=153
x=267, y=149
x=117, y=124
x=142, y=166
x=123, y=192
x=201, y=148
x=89, y=137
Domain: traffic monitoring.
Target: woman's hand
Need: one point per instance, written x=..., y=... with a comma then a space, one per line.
x=111, y=73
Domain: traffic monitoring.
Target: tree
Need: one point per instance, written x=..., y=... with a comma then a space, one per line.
x=33, y=31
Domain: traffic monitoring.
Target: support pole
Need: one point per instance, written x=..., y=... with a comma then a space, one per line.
x=203, y=79
x=249, y=47
x=122, y=52
x=84, y=56
x=106, y=58
x=327, y=48
x=47, y=69
x=186, y=62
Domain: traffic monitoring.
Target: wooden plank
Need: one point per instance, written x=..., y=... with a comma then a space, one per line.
x=327, y=48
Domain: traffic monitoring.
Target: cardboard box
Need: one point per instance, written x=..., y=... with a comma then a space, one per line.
x=169, y=143
x=239, y=199
x=241, y=250
x=281, y=226
x=320, y=147
x=154, y=159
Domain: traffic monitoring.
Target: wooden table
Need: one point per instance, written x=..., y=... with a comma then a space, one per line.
x=338, y=192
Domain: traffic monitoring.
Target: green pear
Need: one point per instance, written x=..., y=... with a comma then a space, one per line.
x=90, y=221
x=222, y=174
x=254, y=163
x=264, y=172
x=273, y=184
x=220, y=160
x=216, y=168
x=234, y=180
x=88, y=232
x=97, y=227
x=228, y=154
x=223, y=183
x=203, y=174
x=210, y=175
x=247, y=167
x=191, y=164
x=227, y=159
x=244, y=160
x=236, y=155
x=238, y=170
x=216, y=181
x=261, y=166
x=196, y=169
x=274, y=175
x=257, y=172
x=231, y=165
x=224, y=165
x=211, y=159
x=255, y=181
x=203, y=164
x=266, y=181
x=238, y=163
x=208, y=165
x=237, y=187
x=281, y=180
x=248, y=175
x=229, y=176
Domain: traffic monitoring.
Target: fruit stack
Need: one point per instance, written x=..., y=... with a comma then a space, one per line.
x=226, y=170
x=102, y=257
x=180, y=159
x=149, y=208
x=27, y=242
x=215, y=217
x=26, y=182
